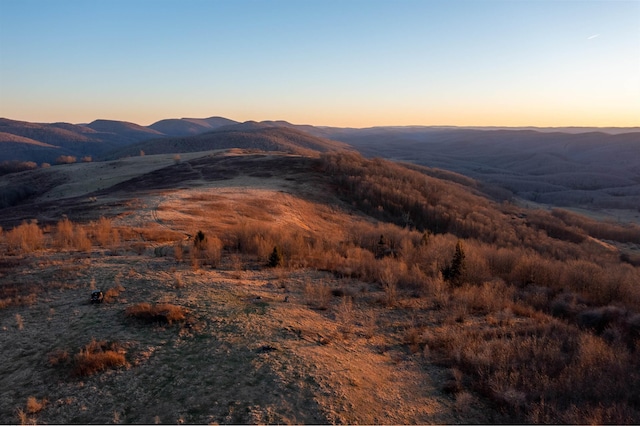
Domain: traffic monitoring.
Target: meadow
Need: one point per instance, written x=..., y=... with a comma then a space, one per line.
x=245, y=287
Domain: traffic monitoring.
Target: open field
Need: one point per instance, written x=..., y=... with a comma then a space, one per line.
x=357, y=320
x=252, y=350
x=254, y=347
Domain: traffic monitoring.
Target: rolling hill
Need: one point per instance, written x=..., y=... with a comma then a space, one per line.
x=397, y=294
x=591, y=169
x=128, y=132
x=45, y=142
x=248, y=135
x=189, y=126
x=587, y=168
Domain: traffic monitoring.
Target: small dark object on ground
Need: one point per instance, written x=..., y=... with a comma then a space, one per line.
x=97, y=296
x=265, y=349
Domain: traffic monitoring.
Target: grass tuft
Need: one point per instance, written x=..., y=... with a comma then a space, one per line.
x=162, y=312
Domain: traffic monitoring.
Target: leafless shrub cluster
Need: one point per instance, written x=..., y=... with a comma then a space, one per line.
x=521, y=269
x=317, y=295
x=25, y=238
x=66, y=159
x=104, y=232
x=71, y=236
x=628, y=233
x=94, y=357
x=34, y=405
x=98, y=356
x=65, y=235
x=161, y=313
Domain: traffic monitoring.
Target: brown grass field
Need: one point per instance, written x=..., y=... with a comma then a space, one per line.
x=357, y=325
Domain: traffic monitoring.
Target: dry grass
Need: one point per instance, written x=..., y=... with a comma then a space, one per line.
x=97, y=356
x=317, y=295
x=23, y=417
x=112, y=294
x=25, y=238
x=162, y=312
x=34, y=405
x=19, y=322
x=58, y=357
x=104, y=232
x=543, y=329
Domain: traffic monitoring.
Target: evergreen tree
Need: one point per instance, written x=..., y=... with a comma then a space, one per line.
x=275, y=259
x=453, y=272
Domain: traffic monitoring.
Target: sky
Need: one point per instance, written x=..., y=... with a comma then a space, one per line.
x=347, y=63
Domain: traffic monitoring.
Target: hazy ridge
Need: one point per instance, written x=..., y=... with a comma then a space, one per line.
x=593, y=168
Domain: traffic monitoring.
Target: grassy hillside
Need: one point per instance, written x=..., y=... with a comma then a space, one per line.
x=23, y=141
x=393, y=297
x=593, y=170
x=250, y=135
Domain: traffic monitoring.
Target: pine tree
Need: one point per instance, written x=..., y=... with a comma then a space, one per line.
x=275, y=259
x=453, y=273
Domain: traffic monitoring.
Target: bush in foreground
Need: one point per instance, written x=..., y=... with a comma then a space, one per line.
x=162, y=312
x=94, y=357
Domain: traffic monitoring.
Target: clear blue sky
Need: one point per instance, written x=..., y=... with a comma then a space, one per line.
x=345, y=63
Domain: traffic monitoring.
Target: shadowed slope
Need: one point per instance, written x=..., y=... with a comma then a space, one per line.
x=189, y=126
x=249, y=135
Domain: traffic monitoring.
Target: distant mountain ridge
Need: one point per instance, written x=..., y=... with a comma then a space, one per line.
x=251, y=135
x=44, y=142
x=567, y=166
x=189, y=126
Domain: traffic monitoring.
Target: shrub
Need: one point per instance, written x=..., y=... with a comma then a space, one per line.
x=26, y=237
x=81, y=241
x=66, y=159
x=7, y=167
x=64, y=233
x=213, y=250
x=98, y=356
x=104, y=232
x=199, y=241
x=205, y=248
x=34, y=406
x=162, y=313
x=111, y=294
x=317, y=295
x=345, y=316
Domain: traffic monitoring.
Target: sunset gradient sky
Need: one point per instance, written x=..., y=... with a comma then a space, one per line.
x=351, y=63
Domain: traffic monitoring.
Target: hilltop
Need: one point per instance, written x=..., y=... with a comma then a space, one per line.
x=249, y=135
x=589, y=170
x=396, y=294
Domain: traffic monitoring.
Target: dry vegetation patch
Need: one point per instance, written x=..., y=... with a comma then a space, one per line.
x=96, y=357
x=161, y=312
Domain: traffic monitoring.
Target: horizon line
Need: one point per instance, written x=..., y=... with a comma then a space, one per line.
x=477, y=126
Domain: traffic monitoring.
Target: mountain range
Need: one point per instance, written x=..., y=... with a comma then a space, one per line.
x=44, y=142
x=588, y=167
